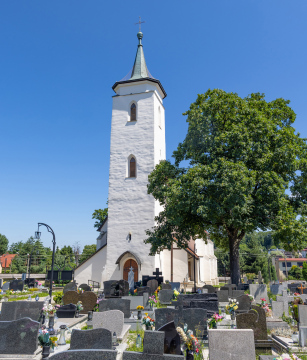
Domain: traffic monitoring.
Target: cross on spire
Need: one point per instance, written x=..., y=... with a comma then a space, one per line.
x=139, y=23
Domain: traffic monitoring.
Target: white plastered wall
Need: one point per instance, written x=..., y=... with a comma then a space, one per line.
x=207, y=261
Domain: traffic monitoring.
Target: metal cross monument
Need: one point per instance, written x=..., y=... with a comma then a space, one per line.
x=139, y=23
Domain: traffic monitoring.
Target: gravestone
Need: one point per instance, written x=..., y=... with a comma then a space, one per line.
x=194, y=318
x=17, y=285
x=6, y=286
x=116, y=304
x=88, y=298
x=166, y=286
x=208, y=302
x=171, y=339
x=87, y=354
x=91, y=339
x=231, y=344
x=115, y=288
x=244, y=303
x=153, y=345
x=277, y=309
x=245, y=279
x=285, y=300
x=211, y=289
x=255, y=319
x=243, y=287
x=85, y=287
x=303, y=336
x=175, y=285
x=72, y=286
x=153, y=285
x=166, y=296
x=112, y=320
x=302, y=315
x=131, y=280
x=19, y=309
x=222, y=295
x=258, y=291
x=143, y=289
x=19, y=336
x=259, y=278
x=1, y=283
x=277, y=289
x=237, y=293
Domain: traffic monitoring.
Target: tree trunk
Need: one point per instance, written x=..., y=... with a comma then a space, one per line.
x=234, y=260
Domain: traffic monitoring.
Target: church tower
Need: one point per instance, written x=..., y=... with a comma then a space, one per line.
x=137, y=145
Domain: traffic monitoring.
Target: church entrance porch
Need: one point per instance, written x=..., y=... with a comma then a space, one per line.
x=128, y=264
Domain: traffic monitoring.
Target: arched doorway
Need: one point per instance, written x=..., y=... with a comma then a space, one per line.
x=127, y=267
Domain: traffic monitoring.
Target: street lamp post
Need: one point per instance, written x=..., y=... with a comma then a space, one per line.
x=37, y=236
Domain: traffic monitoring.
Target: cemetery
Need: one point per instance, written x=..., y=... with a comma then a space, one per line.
x=126, y=320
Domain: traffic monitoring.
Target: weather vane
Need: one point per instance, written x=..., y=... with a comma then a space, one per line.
x=139, y=23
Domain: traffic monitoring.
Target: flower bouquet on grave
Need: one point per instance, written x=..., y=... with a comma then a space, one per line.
x=176, y=293
x=268, y=311
x=43, y=338
x=251, y=297
x=79, y=306
x=214, y=320
x=232, y=306
x=263, y=300
x=189, y=341
x=148, y=322
x=288, y=357
x=49, y=310
x=135, y=292
x=139, y=309
x=152, y=300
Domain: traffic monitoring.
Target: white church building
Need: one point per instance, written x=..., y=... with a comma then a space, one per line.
x=137, y=146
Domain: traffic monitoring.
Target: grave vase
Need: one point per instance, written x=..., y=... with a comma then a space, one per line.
x=51, y=324
x=148, y=327
x=233, y=316
x=139, y=314
x=77, y=313
x=189, y=355
x=45, y=352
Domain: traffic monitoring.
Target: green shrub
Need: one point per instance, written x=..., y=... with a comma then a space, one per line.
x=57, y=297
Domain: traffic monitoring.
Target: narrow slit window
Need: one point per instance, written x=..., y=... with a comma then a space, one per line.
x=133, y=112
x=132, y=167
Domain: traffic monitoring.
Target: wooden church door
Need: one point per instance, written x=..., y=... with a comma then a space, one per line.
x=127, y=267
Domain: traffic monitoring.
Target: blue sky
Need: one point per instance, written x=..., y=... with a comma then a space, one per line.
x=60, y=58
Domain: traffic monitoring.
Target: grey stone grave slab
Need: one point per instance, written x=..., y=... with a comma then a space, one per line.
x=171, y=339
x=303, y=336
x=72, y=286
x=152, y=349
x=143, y=289
x=87, y=354
x=245, y=279
x=222, y=295
x=258, y=291
x=91, y=339
x=227, y=344
x=19, y=309
x=302, y=315
x=277, y=309
x=6, y=286
x=136, y=300
x=116, y=304
x=211, y=289
x=259, y=278
x=244, y=303
x=237, y=293
x=19, y=336
x=243, y=287
x=153, y=285
x=208, y=302
x=17, y=285
x=164, y=316
x=166, y=286
x=175, y=285
x=88, y=299
x=166, y=296
x=255, y=320
x=112, y=320
x=277, y=289
x=85, y=287
x=116, y=288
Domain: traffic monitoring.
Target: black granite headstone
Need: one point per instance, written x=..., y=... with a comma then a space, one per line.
x=171, y=339
x=17, y=285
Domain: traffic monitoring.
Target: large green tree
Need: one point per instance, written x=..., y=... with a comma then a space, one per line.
x=3, y=244
x=240, y=168
x=100, y=215
x=88, y=250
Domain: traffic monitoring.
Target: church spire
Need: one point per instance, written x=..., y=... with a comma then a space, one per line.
x=139, y=69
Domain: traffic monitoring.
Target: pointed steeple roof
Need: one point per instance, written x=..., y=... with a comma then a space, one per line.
x=139, y=71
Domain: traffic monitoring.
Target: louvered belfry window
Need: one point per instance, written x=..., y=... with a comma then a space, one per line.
x=133, y=112
x=132, y=167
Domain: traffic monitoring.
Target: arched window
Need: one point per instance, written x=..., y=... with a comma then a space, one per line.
x=132, y=167
x=133, y=112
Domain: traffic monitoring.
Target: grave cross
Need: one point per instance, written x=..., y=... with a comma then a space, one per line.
x=301, y=288
x=157, y=273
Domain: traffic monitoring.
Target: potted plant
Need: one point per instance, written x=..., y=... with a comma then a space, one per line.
x=79, y=308
x=139, y=309
x=190, y=342
x=148, y=322
x=45, y=342
x=152, y=300
x=212, y=322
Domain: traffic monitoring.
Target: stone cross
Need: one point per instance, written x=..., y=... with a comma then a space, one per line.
x=157, y=273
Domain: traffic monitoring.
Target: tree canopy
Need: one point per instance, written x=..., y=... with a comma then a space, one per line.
x=3, y=244
x=241, y=168
x=100, y=216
